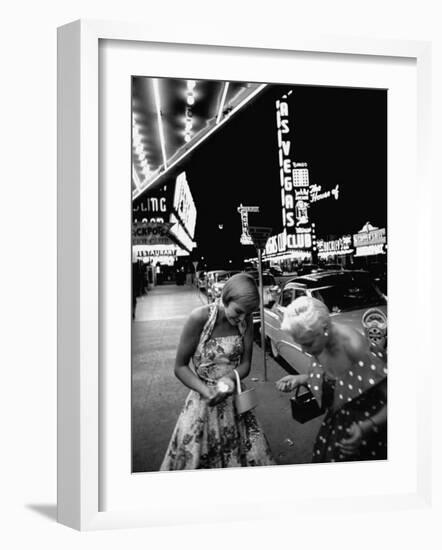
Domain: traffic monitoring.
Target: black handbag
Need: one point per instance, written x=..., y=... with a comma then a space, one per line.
x=304, y=405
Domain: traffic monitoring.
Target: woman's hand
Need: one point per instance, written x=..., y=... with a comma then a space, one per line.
x=349, y=446
x=289, y=383
x=224, y=387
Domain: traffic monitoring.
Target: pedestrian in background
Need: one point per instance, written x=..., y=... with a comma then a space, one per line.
x=348, y=377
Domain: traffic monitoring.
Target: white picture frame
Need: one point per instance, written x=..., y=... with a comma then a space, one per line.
x=79, y=272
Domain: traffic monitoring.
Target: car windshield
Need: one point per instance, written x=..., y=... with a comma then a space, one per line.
x=357, y=295
x=223, y=277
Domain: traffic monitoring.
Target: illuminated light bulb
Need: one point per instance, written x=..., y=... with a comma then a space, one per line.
x=144, y=163
x=139, y=149
x=188, y=125
x=187, y=138
x=190, y=99
x=191, y=84
x=141, y=156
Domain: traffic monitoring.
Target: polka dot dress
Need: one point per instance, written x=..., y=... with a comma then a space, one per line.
x=353, y=398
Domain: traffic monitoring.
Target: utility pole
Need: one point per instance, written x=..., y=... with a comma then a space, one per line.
x=259, y=236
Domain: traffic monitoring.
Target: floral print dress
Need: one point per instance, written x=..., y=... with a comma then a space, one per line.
x=354, y=397
x=215, y=437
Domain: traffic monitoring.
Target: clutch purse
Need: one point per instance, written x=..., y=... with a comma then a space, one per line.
x=304, y=405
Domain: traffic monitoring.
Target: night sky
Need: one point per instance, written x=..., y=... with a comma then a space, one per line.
x=340, y=132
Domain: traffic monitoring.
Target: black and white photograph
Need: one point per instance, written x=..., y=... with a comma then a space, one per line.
x=259, y=274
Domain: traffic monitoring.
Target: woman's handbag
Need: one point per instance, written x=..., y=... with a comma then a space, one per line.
x=304, y=405
x=244, y=400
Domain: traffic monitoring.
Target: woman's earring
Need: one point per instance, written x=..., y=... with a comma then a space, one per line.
x=325, y=333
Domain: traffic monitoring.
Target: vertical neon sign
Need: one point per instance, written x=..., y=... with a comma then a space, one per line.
x=294, y=183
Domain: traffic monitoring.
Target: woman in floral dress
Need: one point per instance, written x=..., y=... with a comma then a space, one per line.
x=218, y=338
x=347, y=376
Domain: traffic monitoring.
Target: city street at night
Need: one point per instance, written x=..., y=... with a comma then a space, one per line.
x=158, y=396
x=287, y=183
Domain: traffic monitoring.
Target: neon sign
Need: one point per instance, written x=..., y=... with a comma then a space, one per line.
x=370, y=240
x=164, y=254
x=316, y=193
x=150, y=233
x=184, y=205
x=294, y=184
x=370, y=237
x=370, y=250
x=334, y=247
x=244, y=212
x=183, y=216
x=286, y=242
x=179, y=232
x=151, y=205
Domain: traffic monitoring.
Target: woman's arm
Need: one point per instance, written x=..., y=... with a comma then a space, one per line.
x=378, y=420
x=186, y=348
x=290, y=382
x=365, y=428
x=243, y=368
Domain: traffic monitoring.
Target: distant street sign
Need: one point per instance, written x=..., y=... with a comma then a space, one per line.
x=244, y=211
x=259, y=235
x=242, y=208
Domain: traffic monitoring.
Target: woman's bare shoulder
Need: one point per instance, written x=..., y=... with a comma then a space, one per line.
x=355, y=344
x=199, y=315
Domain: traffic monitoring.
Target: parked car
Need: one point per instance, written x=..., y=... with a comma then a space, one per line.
x=332, y=267
x=347, y=294
x=216, y=281
x=379, y=274
x=305, y=269
x=271, y=291
x=270, y=287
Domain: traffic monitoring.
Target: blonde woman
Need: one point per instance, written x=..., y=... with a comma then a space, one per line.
x=217, y=338
x=348, y=377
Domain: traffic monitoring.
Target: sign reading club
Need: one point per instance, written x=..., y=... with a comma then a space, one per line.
x=294, y=184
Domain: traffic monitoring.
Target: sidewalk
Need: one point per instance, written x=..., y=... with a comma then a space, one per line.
x=157, y=396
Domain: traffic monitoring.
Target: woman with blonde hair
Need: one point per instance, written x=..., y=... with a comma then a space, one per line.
x=218, y=338
x=348, y=377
